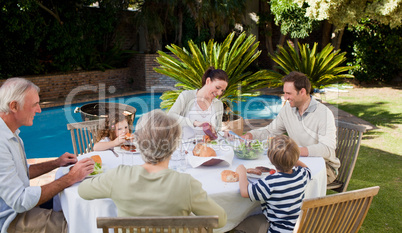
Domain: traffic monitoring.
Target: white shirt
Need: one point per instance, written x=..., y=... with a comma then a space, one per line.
x=16, y=196
x=197, y=114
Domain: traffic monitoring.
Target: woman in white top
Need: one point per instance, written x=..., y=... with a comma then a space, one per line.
x=195, y=107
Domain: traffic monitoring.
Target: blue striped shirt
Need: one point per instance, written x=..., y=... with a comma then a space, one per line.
x=281, y=196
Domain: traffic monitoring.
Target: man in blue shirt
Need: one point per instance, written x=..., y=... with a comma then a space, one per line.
x=19, y=202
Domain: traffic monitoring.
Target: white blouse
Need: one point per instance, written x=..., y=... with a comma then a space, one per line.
x=197, y=114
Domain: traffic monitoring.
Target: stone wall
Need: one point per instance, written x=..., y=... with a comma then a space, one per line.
x=143, y=67
x=139, y=76
x=83, y=83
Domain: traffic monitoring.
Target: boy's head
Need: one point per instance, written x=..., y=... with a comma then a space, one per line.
x=283, y=153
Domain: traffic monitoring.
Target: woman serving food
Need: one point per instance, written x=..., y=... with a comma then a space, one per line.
x=193, y=108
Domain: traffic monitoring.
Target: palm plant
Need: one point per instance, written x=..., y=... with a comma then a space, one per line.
x=232, y=56
x=322, y=68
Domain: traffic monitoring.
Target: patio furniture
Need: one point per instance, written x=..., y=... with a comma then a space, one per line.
x=341, y=212
x=158, y=224
x=349, y=137
x=227, y=195
x=83, y=135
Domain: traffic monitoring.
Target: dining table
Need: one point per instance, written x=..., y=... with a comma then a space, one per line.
x=81, y=214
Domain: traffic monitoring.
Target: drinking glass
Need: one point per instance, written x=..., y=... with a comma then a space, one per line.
x=178, y=162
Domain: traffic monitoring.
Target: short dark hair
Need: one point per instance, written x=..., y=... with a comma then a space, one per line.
x=214, y=74
x=299, y=80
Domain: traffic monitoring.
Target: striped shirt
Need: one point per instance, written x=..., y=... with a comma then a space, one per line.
x=281, y=196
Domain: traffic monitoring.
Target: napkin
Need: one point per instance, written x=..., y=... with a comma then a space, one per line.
x=223, y=151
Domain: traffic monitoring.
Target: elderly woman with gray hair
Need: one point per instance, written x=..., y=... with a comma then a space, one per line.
x=152, y=189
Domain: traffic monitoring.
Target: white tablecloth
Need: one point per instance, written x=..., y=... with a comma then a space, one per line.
x=81, y=214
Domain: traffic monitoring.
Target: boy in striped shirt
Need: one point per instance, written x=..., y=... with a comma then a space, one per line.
x=281, y=194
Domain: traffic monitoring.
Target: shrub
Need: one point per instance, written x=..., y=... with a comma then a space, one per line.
x=322, y=68
x=377, y=52
x=233, y=56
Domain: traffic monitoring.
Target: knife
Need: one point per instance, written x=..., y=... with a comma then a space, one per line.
x=236, y=136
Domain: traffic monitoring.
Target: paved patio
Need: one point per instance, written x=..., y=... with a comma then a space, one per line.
x=248, y=124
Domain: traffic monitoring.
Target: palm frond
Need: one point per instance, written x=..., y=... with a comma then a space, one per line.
x=232, y=56
x=321, y=68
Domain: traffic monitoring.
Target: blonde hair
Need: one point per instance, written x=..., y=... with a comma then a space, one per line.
x=283, y=153
x=109, y=129
x=157, y=135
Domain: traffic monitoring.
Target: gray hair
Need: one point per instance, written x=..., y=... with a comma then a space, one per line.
x=157, y=135
x=14, y=89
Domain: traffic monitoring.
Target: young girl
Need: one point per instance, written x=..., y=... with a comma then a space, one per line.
x=114, y=133
x=280, y=194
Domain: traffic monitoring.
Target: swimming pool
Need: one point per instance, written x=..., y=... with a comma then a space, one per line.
x=49, y=137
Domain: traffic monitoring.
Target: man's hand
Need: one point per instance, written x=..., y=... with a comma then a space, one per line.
x=77, y=173
x=81, y=169
x=66, y=159
x=247, y=136
x=303, y=151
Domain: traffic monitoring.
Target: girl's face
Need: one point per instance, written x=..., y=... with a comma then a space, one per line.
x=215, y=88
x=121, y=128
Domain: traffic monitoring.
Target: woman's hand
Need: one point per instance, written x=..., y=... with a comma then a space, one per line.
x=247, y=136
x=198, y=123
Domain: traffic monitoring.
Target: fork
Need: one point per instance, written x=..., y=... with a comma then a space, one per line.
x=114, y=152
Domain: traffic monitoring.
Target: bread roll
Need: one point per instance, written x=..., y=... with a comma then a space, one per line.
x=97, y=159
x=202, y=150
x=129, y=136
x=229, y=176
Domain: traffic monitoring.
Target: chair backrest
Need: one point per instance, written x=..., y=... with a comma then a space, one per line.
x=349, y=137
x=158, y=223
x=83, y=135
x=341, y=212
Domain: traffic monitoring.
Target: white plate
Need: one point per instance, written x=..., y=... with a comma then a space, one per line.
x=90, y=176
x=263, y=175
x=117, y=149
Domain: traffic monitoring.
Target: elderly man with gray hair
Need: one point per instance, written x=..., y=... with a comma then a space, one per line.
x=19, y=202
x=152, y=189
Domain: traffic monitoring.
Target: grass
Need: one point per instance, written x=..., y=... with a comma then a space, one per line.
x=380, y=157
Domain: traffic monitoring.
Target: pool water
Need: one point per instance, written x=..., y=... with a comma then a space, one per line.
x=49, y=137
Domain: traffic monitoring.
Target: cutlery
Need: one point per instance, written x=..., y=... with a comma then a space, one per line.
x=114, y=152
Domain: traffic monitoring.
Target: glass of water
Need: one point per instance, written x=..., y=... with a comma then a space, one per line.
x=178, y=160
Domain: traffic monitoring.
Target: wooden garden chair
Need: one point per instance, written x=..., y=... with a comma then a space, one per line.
x=337, y=213
x=83, y=135
x=349, y=137
x=158, y=224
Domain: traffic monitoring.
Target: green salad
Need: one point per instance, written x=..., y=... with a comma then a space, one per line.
x=97, y=169
x=213, y=142
x=249, y=150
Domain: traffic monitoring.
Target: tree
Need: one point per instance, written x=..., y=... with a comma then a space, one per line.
x=219, y=16
x=342, y=13
x=291, y=19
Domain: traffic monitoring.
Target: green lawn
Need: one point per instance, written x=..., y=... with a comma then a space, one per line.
x=380, y=157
